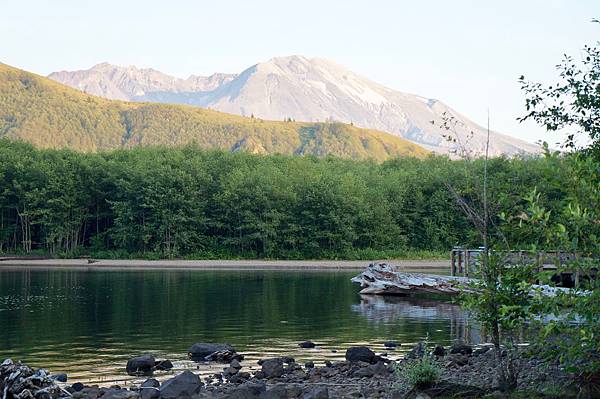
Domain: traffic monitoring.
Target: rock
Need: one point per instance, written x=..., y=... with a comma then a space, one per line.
x=185, y=384
x=360, y=354
x=318, y=392
x=59, y=377
x=78, y=386
x=200, y=350
x=391, y=344
x=307, y=344
x=235, y=364
x=283, y=359
x=439, y=351
x=481, y=351
x=163, y=365
x=309, y=365
x=272, y=368
x=417, y=352
x=328, y=363
x=141, y=364
x=223, y=356
x=150, y=389
x=248, y=390
x=230, y=371
x=463, y=349
x=118, y=393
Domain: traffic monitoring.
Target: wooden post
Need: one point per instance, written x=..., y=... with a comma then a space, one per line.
x=453, y=262
x=467, y=262
x=460, y=260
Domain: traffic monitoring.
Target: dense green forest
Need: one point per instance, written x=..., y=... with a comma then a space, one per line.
x=191, y=202
x=49, y=115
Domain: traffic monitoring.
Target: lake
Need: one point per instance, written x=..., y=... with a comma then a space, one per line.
x=88, y=323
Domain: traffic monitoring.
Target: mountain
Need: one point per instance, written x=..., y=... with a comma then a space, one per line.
x=48, y=114
x=129, y=83
x=304, y=89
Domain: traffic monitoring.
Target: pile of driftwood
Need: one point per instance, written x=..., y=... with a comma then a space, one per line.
x=384, y=279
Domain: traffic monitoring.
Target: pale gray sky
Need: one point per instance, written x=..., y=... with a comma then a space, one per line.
x=466, y=53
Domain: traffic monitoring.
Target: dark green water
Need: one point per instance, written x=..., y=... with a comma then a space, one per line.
x=88, y=323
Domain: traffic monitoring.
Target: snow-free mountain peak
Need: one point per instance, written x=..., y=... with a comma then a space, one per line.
x=301, y=88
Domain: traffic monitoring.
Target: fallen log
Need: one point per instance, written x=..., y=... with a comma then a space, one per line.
x=384, y=279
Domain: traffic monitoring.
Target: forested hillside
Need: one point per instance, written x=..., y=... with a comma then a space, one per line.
x=49, y=115
x=191, y=202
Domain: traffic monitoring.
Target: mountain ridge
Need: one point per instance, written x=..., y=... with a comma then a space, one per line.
x=317, y=89
x=48, y=114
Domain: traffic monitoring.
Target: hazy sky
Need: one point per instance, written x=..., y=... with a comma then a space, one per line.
x=466, y=53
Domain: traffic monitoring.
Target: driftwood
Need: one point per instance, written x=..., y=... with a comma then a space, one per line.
x=384, y=279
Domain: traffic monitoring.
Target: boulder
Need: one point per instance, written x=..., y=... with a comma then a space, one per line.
x=235, y=364
x=482, y=350
x=119, y=393
x=439, y=351
x=150, y=389
x=307, y=344
x=272, y=368
x=248, y=390
x=163, y=365
x=141, y=364
x=318, y=392
x=59, y=377
x=283, y=359
x=224, y=356
x=78, y=386
x=391, y=344
x=360, y=354
x=185, y=384
x=201, y=350
x=309, y=365
x=417, y=352
x=461, y=348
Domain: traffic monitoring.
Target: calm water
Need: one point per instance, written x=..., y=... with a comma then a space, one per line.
x=88, y=323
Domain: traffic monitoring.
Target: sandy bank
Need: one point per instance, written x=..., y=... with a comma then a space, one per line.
x=132, y=264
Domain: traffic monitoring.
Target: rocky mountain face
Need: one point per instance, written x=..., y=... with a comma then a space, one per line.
x=305, y=90
x=135, y=84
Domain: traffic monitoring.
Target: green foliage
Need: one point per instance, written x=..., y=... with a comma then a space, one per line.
x=420, y=373
x=570, y=323
x=50, y=115
x=184, y=202
x=573, y=103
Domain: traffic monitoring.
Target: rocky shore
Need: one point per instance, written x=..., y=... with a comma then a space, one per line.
x=465, y=372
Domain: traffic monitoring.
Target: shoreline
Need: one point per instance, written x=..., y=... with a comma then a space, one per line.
x=140, y=264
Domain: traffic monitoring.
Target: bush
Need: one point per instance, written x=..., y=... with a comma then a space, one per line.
x=421, y=372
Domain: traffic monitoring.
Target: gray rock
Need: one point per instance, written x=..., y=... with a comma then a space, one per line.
x=439, y=351
x=417, y=352
x=141, y=364
x=185, y=384
x=59, y=377
x=307, y=344
x=391, y=344
x=360, y=354
x=149, y=389
x=200, y=350
x=118, y=393
x=235, y=364
x=318, y=392
x=461, y=348
x=163, y=365
x=272, y=368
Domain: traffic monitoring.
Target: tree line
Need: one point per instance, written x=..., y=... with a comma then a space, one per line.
x=190, y=202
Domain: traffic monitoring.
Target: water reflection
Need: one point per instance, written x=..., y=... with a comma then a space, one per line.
x=396, y=309
x=88, y=323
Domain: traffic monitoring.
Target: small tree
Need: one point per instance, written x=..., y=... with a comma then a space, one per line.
x=499, y=299
x=572, y=105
